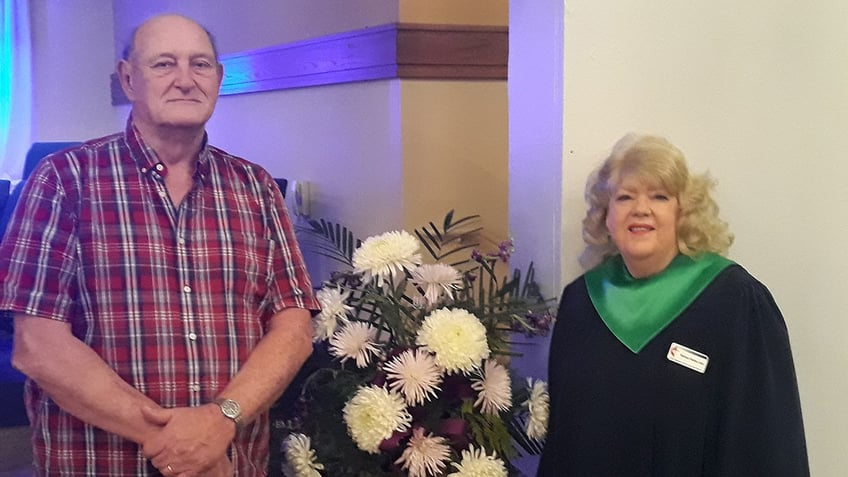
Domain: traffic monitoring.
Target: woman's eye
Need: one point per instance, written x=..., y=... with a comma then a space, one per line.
x=622, y=197
x=662, y=197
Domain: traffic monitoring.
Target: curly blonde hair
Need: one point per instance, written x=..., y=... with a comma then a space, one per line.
x=656, y=161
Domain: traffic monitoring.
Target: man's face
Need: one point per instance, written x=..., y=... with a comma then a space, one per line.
x=172, y=76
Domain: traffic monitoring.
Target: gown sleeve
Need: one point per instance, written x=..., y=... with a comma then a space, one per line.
x=759, y=430
x=550, y=464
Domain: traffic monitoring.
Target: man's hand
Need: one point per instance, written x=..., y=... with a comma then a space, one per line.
x=193, y=441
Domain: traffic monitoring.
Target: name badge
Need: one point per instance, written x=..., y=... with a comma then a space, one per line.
x=687, y=357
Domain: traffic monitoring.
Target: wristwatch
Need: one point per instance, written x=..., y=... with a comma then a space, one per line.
x=231, y=409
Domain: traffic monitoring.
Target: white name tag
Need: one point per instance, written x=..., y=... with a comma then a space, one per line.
x=688, y=357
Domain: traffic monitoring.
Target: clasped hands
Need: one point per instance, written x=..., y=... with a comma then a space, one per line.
x=192, y=441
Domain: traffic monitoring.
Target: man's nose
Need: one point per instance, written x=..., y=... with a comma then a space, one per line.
x=182, y=77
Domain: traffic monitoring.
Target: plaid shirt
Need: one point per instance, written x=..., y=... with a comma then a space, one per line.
x=174, y=299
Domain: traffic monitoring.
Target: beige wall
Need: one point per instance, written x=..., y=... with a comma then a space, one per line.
x=455, y=152
x=454, y=133
x=460, y=12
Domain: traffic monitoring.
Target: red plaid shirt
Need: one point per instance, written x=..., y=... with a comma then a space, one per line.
x=174, y=299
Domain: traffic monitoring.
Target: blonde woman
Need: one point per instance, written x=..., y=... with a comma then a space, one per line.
x=667, y=359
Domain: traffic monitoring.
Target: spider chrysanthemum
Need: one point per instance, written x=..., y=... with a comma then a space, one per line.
x=334, y=310
x=436, y=280
x=373, y=414
x=384, y=256
x=355, y=341
x=476, y=463
x=425, y=455
x=494, y=388
x=456, y=338
x=415, y=375
x=300, y=457
x=538, y=405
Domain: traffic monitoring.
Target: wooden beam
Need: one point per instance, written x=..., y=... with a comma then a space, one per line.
x=394, y=51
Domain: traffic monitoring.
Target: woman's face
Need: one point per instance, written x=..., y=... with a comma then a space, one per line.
x=642, y=221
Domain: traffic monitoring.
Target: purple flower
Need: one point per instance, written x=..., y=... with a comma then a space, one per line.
x=476, y=256
x=505, y=250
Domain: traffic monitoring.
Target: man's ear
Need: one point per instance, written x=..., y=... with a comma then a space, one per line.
x=124, y=70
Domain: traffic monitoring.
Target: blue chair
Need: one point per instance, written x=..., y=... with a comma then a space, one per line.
x=36, y=153
x=5, y=188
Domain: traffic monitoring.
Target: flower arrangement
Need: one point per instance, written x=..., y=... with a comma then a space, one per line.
x=414, y=379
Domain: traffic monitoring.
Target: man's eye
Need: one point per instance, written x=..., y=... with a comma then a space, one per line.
x=202, y=64
x=159, y=65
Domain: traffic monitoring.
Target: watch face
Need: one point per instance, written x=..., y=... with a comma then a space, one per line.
x=230, y=408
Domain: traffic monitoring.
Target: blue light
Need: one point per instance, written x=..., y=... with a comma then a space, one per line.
x=15, y=89
x=6, y=71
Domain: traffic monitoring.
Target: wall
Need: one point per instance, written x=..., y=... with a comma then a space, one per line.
x=535, y=158
x=250, y=24
x=754, y=92
x=455, y=157
x=459, y=12
x=71, y=67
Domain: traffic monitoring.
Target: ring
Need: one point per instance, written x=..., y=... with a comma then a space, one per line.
x=169, y=468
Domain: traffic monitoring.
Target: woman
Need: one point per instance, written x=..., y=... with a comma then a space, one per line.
x=667, y=359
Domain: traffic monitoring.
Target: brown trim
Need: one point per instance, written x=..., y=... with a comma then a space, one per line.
x=394, y=51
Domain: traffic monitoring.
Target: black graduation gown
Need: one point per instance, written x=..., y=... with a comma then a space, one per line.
x=616, y=413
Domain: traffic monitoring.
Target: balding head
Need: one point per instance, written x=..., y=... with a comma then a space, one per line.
x=130, y=45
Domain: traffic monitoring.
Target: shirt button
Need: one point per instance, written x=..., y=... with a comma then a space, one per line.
x=192, y=336
x=162, y=194
x=181, y=241
x=187, y=289
x=159, y=167
x=194, y=387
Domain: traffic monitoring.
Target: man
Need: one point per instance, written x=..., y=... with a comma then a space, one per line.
x=160, y=302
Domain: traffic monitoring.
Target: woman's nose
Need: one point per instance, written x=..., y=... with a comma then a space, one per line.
x=641, y=206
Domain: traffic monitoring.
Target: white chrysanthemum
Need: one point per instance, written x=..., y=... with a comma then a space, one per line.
x=355, y=341
x=373, y=414
x=456, y=337
x=436, y=279
x=539, y=407
x=493, y=388
x=386, y=255
x=415, y=375
x=333, y=311
x=424, y=456
x=300, y=458
x=476, y=463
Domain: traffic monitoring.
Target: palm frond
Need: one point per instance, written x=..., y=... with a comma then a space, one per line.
x=328, y=239
x=452, y=237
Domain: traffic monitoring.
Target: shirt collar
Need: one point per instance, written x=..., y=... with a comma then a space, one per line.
x=147, y=160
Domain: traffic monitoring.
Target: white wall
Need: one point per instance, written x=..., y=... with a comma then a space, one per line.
x=250, y=24
x=756, y=93
x=71, y=67
x=535, y=159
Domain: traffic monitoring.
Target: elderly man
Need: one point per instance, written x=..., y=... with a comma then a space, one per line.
x=160, y=302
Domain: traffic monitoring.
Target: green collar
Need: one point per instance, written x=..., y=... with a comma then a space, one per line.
x=636, y=310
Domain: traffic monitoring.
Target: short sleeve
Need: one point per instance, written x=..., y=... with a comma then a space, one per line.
x=37, y=259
